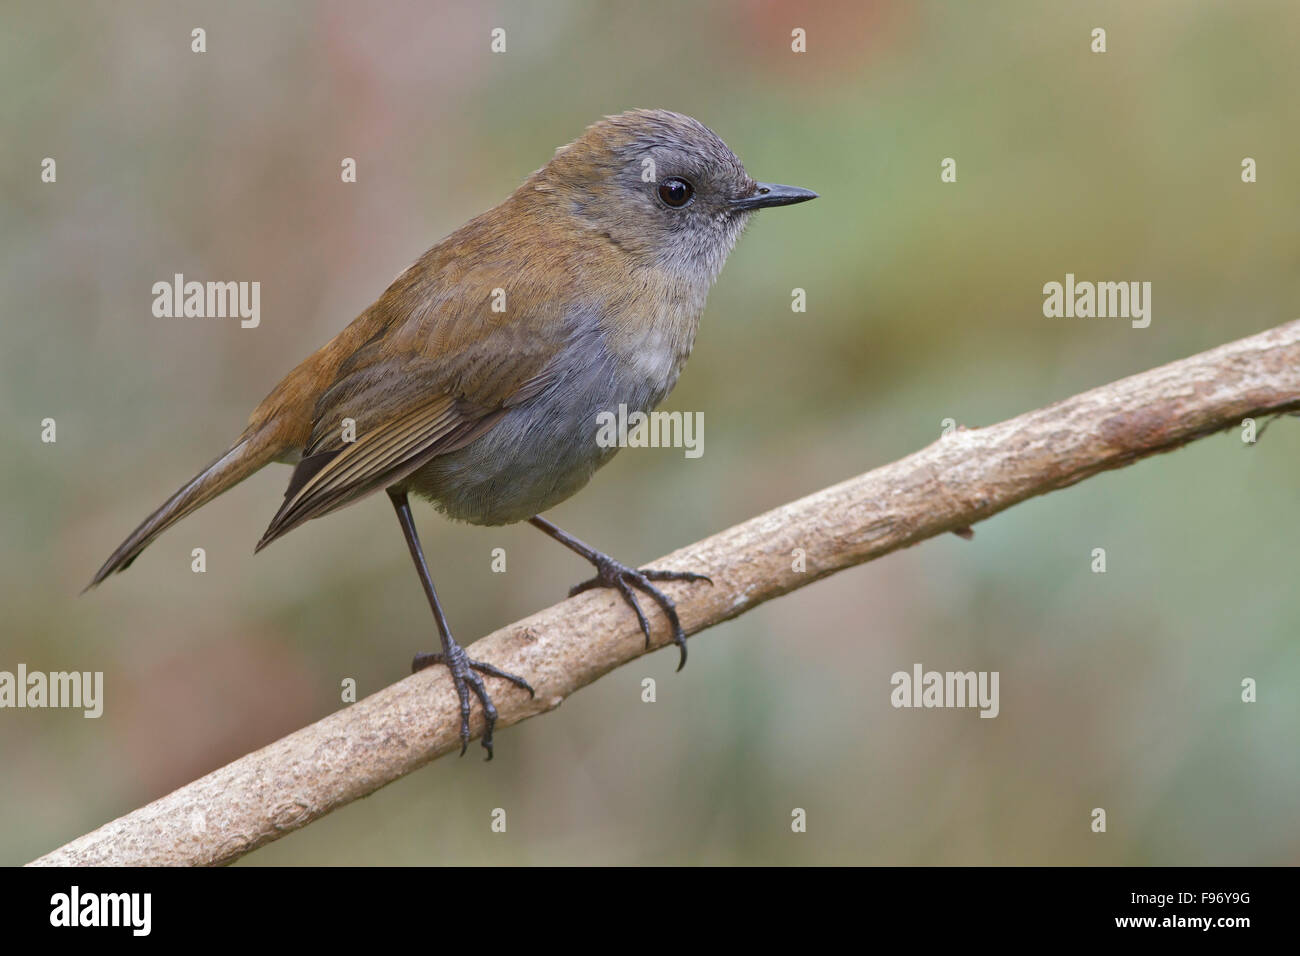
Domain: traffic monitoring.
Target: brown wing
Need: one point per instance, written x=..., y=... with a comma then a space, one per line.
x=442, y=370
x=330, y=479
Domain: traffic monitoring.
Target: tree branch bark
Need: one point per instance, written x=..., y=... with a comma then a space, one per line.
x=960, y=479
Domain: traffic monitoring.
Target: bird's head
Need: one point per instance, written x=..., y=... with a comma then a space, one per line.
x=662, y=187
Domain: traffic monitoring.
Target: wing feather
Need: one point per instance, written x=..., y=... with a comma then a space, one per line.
x=441, y=368
x=377, y=458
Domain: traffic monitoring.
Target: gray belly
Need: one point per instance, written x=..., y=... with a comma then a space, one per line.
x=542, y=451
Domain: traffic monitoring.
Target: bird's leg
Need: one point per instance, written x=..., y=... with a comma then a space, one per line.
x=460, y=664
x=614, y=574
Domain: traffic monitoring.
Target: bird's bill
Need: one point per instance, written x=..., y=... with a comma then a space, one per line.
x=770, y=194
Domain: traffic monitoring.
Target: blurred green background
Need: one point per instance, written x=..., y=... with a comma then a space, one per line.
x=1119, y=690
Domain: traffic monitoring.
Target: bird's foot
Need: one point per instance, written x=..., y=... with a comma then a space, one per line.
x=613, y=574
x=463, y=669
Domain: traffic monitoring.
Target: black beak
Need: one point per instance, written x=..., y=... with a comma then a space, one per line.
x=770, y=194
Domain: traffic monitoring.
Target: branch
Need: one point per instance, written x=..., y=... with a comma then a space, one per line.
x=963, y=478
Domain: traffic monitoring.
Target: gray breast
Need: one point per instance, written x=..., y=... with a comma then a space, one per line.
x=545, y=449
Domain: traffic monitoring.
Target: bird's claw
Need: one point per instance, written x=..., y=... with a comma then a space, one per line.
x=614, y=574
x=463, y=668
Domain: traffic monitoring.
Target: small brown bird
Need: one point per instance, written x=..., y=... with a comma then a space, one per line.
x=477, y=378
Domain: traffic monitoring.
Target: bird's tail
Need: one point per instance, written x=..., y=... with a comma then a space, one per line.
x=253, y=450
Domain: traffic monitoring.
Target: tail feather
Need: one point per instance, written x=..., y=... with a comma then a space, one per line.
x=246, y=456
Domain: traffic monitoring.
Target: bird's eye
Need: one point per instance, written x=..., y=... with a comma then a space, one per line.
x=676, y=192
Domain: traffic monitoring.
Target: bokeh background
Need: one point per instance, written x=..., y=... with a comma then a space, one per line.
x=1119, y=690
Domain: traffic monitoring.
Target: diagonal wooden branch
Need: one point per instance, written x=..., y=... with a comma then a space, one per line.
x=960, y=479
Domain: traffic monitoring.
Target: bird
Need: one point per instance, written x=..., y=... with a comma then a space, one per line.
x=477, y=378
